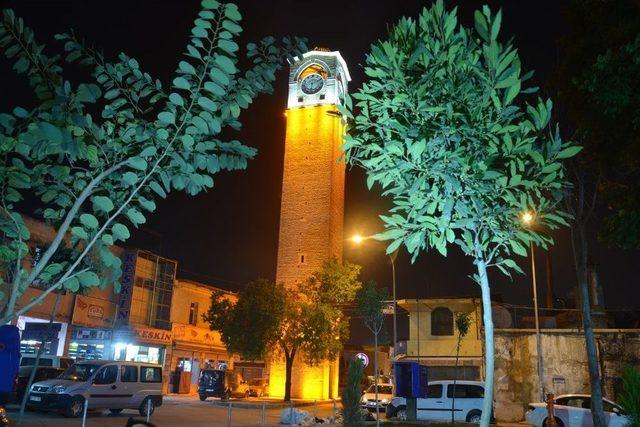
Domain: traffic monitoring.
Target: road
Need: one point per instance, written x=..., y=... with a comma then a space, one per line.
x=175, y=411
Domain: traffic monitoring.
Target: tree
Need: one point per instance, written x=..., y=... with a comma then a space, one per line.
x=442, y=126
x=97, y=155
x=351, y=410
x=630, y=397
x=594, y=79
x=462, y=322
x=371, y=301
x=305, y=319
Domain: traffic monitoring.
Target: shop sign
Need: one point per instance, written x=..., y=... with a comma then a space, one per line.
x=151, y=335
x=363, y=358
x=196, y=335
x=126, y=287
x=91, y=334
x=93, y=312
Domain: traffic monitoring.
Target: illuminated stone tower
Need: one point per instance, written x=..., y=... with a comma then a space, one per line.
x=312, y=211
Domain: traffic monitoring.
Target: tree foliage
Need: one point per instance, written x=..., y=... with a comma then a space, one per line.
x=271, y=320
x=630, y=397
x=351, y=395
x=99, y=154
x=442, y=126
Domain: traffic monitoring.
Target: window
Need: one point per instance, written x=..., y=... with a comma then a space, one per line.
x=466, y=391
x=441, y=321
x=301, y=258
x=575, y=402
x=434, y=391
x=321, y=97
x=193, y=314
x=300, y=99
x=106, y=375
x=150, y=374
x=129, y=374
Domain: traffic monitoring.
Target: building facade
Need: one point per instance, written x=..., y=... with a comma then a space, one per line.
x=154, y=318
x=312, y=209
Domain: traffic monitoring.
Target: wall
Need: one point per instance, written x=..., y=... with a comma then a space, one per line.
x=564, y=365
x=311, y=216
x=441, y=346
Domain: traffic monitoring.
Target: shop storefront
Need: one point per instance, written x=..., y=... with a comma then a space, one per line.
x=141, y=344
x=92, y=321
x=35, y=332
x=193, y=349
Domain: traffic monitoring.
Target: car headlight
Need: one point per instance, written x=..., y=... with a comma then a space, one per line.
x=384, y=401
x=58, y=389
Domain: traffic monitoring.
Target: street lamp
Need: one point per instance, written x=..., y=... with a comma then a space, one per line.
x=528, y=219
x=358, y=239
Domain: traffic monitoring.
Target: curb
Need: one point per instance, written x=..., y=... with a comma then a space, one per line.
x=270, y=405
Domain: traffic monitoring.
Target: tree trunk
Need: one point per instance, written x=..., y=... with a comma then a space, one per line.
x=487, y=403
x=455, y=378
x=580, y=247
x=289, y=358
x=375, y=377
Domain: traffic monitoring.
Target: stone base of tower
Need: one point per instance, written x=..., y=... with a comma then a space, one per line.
x=318, y=382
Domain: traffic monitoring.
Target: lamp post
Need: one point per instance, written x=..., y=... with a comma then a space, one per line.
x=358, y=239
x=528, y=219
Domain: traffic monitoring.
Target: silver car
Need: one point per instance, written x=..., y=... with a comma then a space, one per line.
x=103, y=385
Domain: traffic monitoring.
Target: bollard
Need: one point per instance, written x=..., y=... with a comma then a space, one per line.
x=264, y=413
x=551, y=419
x=333, y=415
x=291, y=412
x=315, y=411
x=148, y=409
x=229, y=415
x=84, y=412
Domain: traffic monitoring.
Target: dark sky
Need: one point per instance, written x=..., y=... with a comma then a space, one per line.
x=229, y=235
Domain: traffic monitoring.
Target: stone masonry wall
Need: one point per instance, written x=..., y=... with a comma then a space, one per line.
x=564, y=366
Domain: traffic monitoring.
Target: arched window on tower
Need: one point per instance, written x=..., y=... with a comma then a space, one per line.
x=441, y=322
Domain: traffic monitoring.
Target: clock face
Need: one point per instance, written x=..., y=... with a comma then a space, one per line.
x=312, y=84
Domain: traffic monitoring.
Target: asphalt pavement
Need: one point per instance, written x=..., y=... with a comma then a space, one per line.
x=175, y=411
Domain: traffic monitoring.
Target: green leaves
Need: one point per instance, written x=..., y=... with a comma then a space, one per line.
x=225, y=64
x=102, y=204
x=89, y=221
x=167, y=117
x=181, y=83
x=120, y=232
x=438, y=125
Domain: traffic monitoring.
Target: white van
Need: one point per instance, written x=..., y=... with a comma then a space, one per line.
x=104, y=384
x=46, y=360
x=437, y=405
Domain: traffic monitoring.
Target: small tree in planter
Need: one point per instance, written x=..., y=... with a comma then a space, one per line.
x=630, y=397
x=371, y=302
x=462, y=322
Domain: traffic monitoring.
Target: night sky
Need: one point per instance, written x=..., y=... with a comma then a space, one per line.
x=229, y=235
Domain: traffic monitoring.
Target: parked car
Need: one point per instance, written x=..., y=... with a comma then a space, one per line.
x=104, y=384
x=258, y=387
x=575, y=410
x=385, y=395
x=223, y=384
x=46, y=360
x=437, y=405
x=42, y=373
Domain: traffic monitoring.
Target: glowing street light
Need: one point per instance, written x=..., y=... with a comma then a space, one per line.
x=528, y=219
x=358, y=238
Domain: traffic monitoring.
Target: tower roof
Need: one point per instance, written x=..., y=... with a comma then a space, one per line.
x=333, y=60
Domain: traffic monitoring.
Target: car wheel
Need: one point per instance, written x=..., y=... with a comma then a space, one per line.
x=115, y=411
x=559, y=422
x=143, y=407
x=74, y=407
x=203, y=397
x=474, y=416
x=401, y=414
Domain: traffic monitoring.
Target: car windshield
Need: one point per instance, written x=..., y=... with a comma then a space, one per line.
x=80, y=372
x=382, y=389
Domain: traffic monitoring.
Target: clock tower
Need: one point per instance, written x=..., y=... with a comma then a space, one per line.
x=312, y=207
